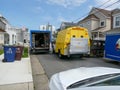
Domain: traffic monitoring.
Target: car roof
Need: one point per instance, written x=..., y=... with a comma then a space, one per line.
x=74, y=75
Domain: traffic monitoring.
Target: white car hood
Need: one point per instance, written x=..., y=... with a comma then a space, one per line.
x=69, y=77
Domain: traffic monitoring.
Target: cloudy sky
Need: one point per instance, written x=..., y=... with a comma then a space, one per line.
x=33, y=13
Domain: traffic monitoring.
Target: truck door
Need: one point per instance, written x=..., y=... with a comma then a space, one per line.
x=33, y=40
x=79, y=46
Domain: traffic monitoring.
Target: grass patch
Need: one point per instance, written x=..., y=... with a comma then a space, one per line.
x=25, y=52
x=1, y=52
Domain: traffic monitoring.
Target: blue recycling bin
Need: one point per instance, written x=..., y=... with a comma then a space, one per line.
x=9, y=53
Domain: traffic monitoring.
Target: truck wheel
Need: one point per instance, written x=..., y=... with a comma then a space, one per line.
x=68, y=56
x=81, y=55
x=31, y=52
x=60, y=55
x=53, y=51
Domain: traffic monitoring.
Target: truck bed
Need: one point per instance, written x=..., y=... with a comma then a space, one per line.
x=40, y=41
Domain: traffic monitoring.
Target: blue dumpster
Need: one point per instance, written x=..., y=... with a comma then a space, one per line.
x=112, y=47
x=9, y=53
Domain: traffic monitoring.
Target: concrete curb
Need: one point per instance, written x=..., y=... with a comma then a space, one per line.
x=40, y=79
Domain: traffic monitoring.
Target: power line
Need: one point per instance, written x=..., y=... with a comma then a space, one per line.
x=104, y=3
x=107, y=6
x=99, y=7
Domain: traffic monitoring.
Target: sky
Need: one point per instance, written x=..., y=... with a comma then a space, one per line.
x=33, y=13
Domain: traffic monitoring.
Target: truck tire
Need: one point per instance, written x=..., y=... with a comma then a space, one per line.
x=81, y=55
x=53, y=51
x=68, y=56
x=60, y=55
x=31, y=52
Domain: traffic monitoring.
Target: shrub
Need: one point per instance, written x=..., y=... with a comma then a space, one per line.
x=25, y=52
x=1, y=52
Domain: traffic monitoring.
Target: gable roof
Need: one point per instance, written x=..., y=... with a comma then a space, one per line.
x=91, y=16
x=105, y=12
x=67, y=24
x=115, y=11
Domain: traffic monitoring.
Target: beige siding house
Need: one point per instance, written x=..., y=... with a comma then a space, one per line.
x=97, y=22
x=116, y=18
x=115, y=23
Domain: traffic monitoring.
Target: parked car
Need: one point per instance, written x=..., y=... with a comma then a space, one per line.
x=86, y=78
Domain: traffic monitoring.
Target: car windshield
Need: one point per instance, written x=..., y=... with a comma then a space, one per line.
x=92, y=80
x=110, y=82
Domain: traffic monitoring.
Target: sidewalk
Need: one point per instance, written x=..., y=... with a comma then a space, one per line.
x=16, y=75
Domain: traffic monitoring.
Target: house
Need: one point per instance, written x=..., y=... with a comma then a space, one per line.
x=24, y=32
x=116, y=19
x=50, y=28
x=97, y=22
x=12, y=35
x=115, y=22
x=67, y=24
x=112, y=43
x=18, y=35
x=2, y=32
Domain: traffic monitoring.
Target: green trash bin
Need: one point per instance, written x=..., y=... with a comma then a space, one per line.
x=19, y=51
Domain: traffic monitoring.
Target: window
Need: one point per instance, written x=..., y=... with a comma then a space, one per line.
x=81, y=36
x=106, y=79
x=81, y=25
x=110, y=82
x=73, y=36
x=102, y=23
x=88, y=22
x=117, y=21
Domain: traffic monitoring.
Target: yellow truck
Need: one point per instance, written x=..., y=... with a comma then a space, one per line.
x=72, y=40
